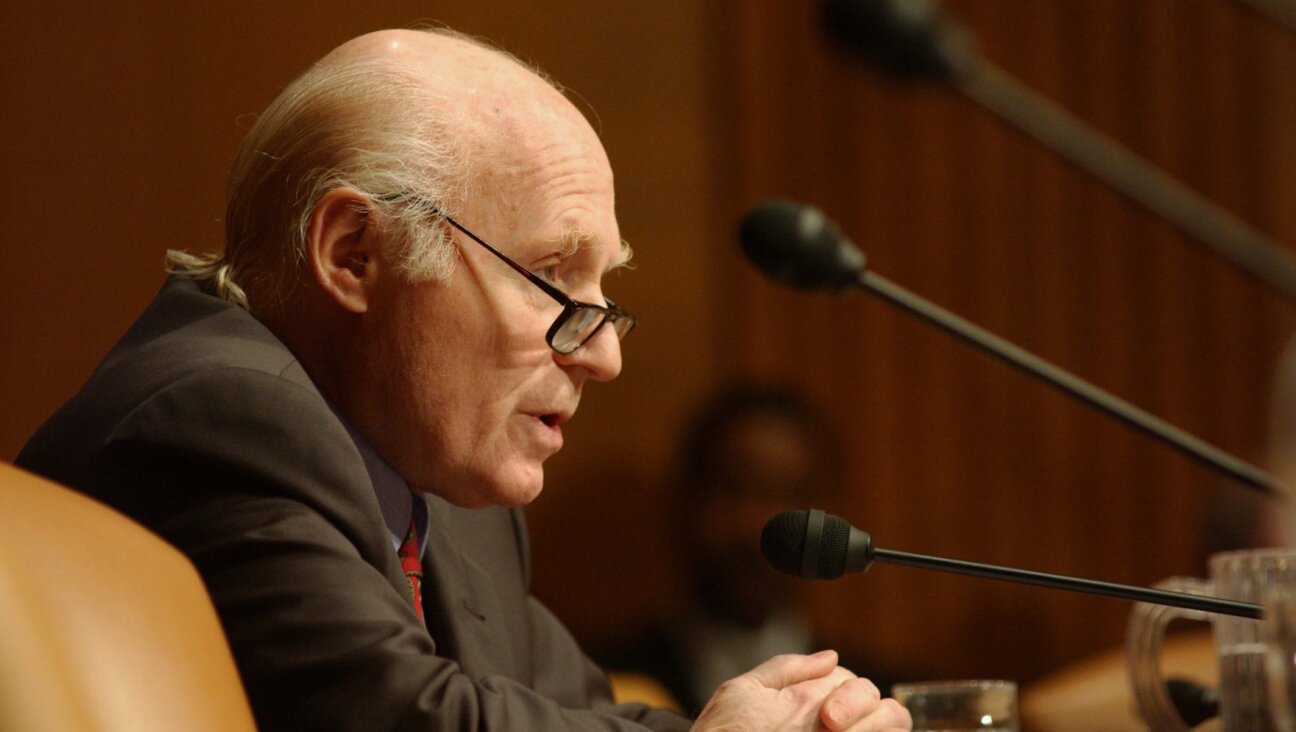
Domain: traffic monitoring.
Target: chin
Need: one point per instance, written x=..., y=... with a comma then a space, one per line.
x=514, y=488
x=510, y=484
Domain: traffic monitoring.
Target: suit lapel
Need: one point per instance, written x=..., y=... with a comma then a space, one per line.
x=460, y=604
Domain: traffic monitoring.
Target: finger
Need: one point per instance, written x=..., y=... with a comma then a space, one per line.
x=852, y=701
x=889, y=715
x=842, y=674
x=783, y=671
x=820, y=687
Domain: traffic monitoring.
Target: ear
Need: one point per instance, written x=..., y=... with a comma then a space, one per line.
x=343, y=248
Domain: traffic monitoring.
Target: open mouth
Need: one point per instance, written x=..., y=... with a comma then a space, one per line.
x=550, y=420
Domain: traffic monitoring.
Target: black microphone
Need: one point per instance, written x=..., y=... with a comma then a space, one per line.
x=908, y=38
x=911, y=39
x=815, y=545
x=799, y=246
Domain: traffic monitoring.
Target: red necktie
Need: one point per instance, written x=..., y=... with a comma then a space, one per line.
x=412, y=565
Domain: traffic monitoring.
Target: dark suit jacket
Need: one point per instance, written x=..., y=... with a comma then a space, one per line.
x=201, y=425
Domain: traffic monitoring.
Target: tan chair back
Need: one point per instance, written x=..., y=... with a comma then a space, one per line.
x=104, y=626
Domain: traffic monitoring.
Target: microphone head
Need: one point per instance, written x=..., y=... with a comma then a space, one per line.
x=789, y=549
x=783, y=540
x=906, y=38
x=797, y=245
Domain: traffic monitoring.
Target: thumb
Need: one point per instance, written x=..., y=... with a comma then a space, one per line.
x=783, y=671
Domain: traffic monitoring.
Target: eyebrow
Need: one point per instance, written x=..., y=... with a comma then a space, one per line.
x=576, y=239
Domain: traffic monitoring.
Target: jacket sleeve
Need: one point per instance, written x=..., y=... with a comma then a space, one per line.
x=254, y=478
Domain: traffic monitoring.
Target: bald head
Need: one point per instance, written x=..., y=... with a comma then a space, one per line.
x=480, y=82
x=503, y=114
x=431, y=113
x=441, y=52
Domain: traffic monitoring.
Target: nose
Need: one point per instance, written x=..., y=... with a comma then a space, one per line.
x=600, y=357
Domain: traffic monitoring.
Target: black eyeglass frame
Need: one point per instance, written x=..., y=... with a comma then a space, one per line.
x=609, y=313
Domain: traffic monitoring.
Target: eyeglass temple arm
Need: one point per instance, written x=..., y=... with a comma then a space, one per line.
x=540, y=282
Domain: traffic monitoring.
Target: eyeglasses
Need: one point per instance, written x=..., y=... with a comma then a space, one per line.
x=578, y=322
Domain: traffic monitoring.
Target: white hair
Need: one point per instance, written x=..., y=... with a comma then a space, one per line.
x=374, y=125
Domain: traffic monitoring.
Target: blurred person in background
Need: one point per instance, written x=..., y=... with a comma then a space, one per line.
x=747, y=453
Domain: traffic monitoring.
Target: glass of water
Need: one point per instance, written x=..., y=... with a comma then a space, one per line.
x=1278, y=630
x=949, y=706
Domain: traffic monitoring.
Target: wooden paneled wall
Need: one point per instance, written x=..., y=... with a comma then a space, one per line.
x=955, y=454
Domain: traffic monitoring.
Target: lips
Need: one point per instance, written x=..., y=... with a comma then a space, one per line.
x=551, y=419
x=548, y=427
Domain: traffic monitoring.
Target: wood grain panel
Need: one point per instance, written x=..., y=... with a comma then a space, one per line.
x=956, y=454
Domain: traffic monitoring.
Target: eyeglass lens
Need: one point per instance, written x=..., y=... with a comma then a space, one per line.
x=583, y=323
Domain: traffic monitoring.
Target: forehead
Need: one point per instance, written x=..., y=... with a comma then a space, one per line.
x=537, y=172
x=543, y=180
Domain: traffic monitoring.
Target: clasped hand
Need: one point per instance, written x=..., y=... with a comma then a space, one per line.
x=795, y=692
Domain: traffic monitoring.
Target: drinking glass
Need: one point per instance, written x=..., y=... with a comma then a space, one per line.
x=1278, y=631
x=1252, y=575
x=949, y=706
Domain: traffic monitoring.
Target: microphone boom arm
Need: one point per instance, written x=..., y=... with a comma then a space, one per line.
x=1102, y=400
x=814, y=545
x=1079, y=584
x=1139, y=180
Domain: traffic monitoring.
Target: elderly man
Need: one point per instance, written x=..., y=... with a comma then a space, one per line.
x=337, y=417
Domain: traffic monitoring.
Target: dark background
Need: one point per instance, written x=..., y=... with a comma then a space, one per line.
x=120, y=119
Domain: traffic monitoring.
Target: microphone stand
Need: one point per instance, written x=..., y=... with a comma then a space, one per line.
x=1105, y=401
x=815, y=545
x=1129, y=174
x=1076, y=584
x=915, y=41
